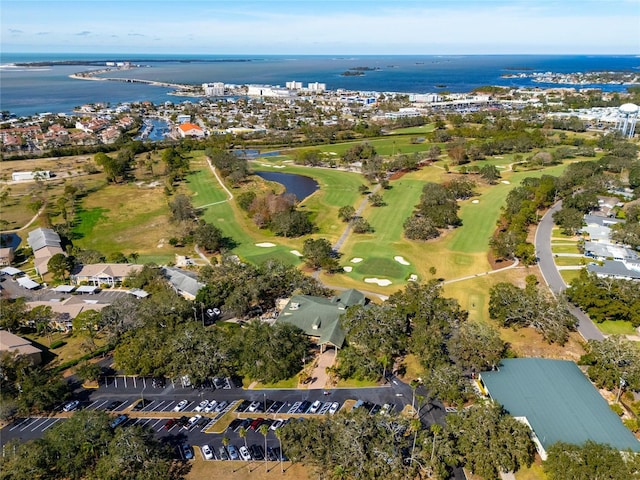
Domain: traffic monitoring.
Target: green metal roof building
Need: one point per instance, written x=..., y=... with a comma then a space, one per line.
x=319, y=317
x=558, y=402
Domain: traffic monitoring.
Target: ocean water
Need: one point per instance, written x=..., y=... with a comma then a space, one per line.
x=26, y=91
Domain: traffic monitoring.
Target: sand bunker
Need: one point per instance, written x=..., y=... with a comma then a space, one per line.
x=475, y=201
x=347, y=269
x=413, y=277
x=356, y=260
x=401, y=260
x=278, y=166
x=296, y=253
x=506, y=182
x=383, y=282
x=265, y=244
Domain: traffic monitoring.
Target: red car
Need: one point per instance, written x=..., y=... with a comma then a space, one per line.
x=256, y=423
x=170, y=423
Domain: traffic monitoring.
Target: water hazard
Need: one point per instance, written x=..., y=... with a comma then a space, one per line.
x=299, y=185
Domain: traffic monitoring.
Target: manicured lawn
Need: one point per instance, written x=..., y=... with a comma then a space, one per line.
x=388, y=145
x=206, y=188
x=415, y=130
x=567, y=248
x=569, y=275
x=287, y=383
x=568, y=261
x=616, y=327
x=86, y=220
x=353, y=383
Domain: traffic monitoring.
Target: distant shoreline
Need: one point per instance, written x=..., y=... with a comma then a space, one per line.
x=102, y=63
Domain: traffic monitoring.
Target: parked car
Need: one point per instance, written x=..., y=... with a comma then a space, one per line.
x=193, y=420
x=187, y=451
x=244, y=453
x=254, y=406
x=118, y=420
x=203, y=422
x=141, y=404
x=257, y=452
x=206, y=452
x=182, y=421
x=113, y=405
x=303, y=407
x=223, y=453
x=201, y=406
x=71, y=406
x=181, y=405
x=271, y=454
x=275, y=425
x=244, y=424
x=280, y=455
x=221, y=406
x=234, y=424
x=314, y=406
x=169, y=424
x=210, y=406
x=233, y=452
x=256, y=423
x=334, y=408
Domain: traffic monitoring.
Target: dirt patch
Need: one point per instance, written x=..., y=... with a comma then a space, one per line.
x=397, y=175
x=496, y=263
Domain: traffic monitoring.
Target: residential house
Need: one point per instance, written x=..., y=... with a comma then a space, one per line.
x=6, y=256
x=185, y=283
x=319, y=317
x=45, y=243
x=98, y=274
x=190, y=130
x=13, y=343
x=558, y=402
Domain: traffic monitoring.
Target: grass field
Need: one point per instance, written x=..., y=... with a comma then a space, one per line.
x=569, y=275
x=136, y=219
x=564, y=248
x=618, y=327
x=206, y=190
x=568, y=261
x=415, y=130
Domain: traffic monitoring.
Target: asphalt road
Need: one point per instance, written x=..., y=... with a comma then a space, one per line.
x=552, y=277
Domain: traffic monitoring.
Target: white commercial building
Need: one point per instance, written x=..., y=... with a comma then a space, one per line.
x=294, y=85
x=37, y=174
x=267, y=91
x=215, y=89
x=316, y=87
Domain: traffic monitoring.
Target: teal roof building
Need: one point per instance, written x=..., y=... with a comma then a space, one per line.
x=319, y=317
x=558, y=402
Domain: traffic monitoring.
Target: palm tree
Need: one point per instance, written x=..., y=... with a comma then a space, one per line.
x=264, y=430
x=278, y=434
x=225, y=441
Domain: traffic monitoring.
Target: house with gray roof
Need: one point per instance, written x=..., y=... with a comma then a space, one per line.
x=45, y=243
x=319, y=317
x=185, y=283
x=614, y=269
x=558, y=402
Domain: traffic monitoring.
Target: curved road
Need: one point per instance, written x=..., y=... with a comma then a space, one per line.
x=552, y=277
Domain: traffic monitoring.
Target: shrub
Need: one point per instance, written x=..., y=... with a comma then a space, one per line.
x=57, y=344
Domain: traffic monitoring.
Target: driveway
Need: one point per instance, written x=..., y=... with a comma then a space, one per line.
x=552, y=277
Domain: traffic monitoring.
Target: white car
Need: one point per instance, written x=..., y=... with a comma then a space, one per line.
x=206, y=452
x=253, y=407
x=220, y=406
x=192, y=421
x=244, y=453
x=209, y=408
x=314, y=406
x=334, y=408
x=201, y=406
x=69, y=407
x=180, y=406
x=277, y=424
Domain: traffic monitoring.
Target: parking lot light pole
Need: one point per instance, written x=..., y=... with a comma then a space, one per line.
x=265, y=402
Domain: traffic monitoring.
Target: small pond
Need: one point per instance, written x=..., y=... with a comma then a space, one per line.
x=299, y=185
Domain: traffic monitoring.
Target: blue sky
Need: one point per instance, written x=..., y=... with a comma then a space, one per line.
x=322, y=26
